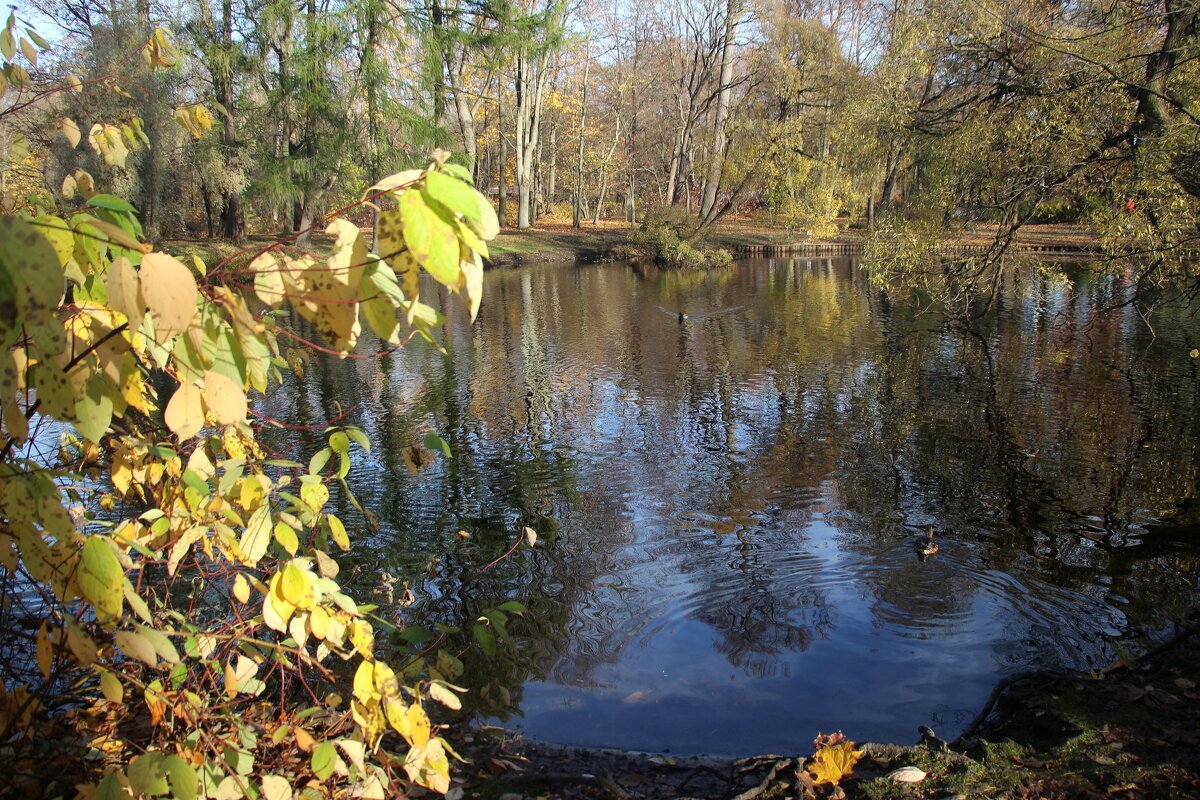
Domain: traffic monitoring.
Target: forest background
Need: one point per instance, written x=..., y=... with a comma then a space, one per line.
x=941, y=115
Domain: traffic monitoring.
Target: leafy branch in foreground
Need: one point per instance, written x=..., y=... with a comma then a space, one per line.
x=187, y=577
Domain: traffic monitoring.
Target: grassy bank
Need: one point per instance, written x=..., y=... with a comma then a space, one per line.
x=556, y=240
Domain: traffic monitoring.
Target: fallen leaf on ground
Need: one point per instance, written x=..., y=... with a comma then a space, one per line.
x=828, y=739
x=831, y=764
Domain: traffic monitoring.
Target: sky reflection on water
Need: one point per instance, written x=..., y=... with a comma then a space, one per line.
x=727, y=505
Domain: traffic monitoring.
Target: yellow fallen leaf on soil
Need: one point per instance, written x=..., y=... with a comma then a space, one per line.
x=831, y=764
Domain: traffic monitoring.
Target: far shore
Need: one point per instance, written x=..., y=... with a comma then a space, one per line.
x=554, y=239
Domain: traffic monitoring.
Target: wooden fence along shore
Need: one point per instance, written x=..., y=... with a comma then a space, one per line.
x=947, y=249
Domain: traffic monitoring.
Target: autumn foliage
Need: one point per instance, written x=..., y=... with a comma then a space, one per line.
x=166, y=569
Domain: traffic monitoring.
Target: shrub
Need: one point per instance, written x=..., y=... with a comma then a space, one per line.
x=666, y=237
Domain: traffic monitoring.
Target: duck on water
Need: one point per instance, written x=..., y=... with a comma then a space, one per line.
x=925, y=545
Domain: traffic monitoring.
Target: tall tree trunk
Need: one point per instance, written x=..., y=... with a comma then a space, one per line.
x=577, y=205
x=530, y=88
x=233, y=220
x=604, y=173
x=502, y=182
x=712, y=181
x=552, y=177
x=374, y=168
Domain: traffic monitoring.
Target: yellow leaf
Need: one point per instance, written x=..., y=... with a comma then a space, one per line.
x=110, y=686
x=45, y=650
x=398, y=181
x=444, y=696
x=304, y=739
x=251, y=493
x=268, y=281
x=71, y=131
x=254, y=540
x=286, y=538
x=318, y=622
x=364, y=683
x=81, y=645
x=276, y=610
x=276, y=787
x=315, y=494
x=299, y=587
x=185, y=411
x=241, y=588
x=136, y=645
x=101, y=578
x=427, y=765
x=831, y=764
x=85, y=183
x=169, y=292
x=338, y=530
x=182, y=547
x=118, y=235
x=363, y=638
x=124, y=293
x=472, y=278
x=418, y=728
x=224, y=398
x=231, y=681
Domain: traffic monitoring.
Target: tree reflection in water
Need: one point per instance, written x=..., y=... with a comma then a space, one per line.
x=727, y=505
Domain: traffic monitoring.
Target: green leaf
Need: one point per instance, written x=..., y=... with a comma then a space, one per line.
x=319, y=460
x=458, y=171
x=7, y=46
x=38, y=40
x=147, y=774
x=462, y=199
x=101, y=578
x=415, y=634
x=110, y=788
x=434, y=442
x=239, y=760
x=339, y=442
x=182, y=777
x=485, y=637
x=112, y=203
x=512, y=607
x=94, y=408
x=359, y=438
x=323, y=758
x=430, y=239
x=195, y=481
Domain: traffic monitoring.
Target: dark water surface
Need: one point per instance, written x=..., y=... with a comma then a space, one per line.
x=726, y=506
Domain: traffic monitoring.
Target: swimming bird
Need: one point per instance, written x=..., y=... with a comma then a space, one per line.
x=925, y=545
x=682, y=316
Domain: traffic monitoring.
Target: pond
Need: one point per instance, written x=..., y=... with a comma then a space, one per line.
x=726, y=505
